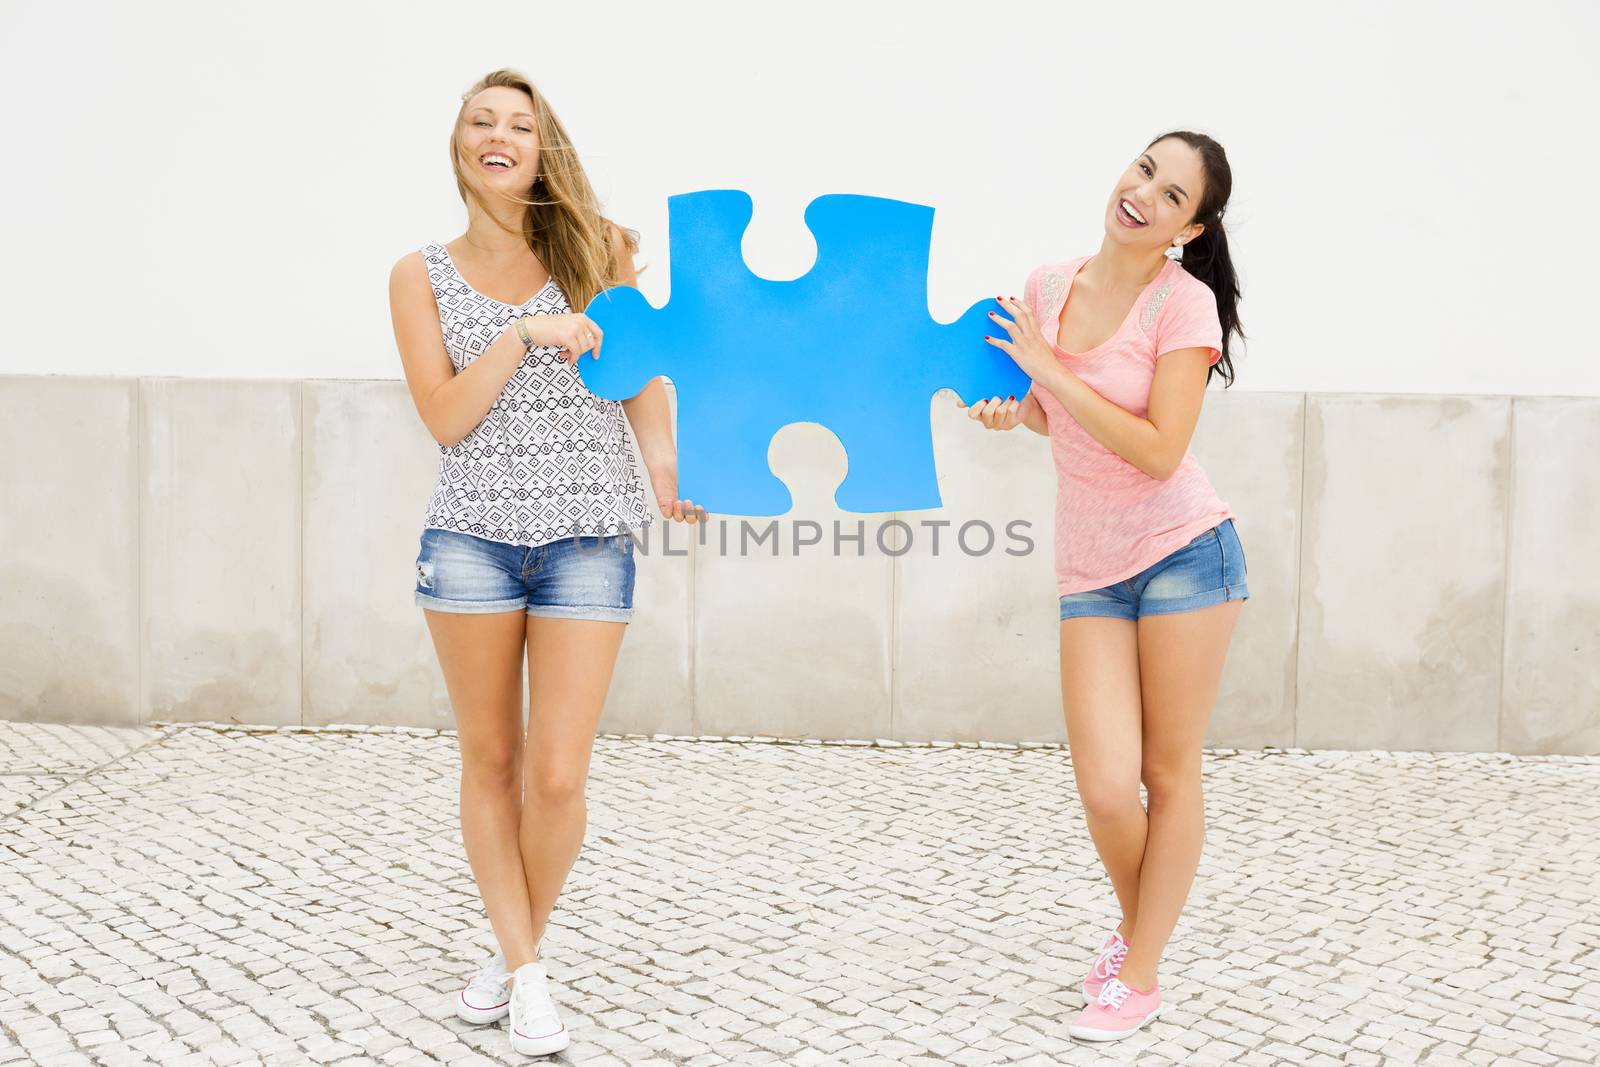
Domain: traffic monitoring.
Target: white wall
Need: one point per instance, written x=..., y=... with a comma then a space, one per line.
x=219, y=189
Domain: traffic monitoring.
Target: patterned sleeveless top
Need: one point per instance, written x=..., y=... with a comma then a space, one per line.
x=550, y=460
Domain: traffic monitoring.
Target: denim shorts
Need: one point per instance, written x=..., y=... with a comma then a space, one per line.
x=574, y=578
x=1209, y=570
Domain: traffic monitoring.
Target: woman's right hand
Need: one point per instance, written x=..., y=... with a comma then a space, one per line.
x=574, y=333
x=996, y=413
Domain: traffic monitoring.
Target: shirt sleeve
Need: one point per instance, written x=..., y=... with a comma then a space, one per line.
x=1189, y=320
x=1030, y=293
x=1030, y=297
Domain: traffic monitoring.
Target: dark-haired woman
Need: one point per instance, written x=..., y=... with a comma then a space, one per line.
x=1120, y=346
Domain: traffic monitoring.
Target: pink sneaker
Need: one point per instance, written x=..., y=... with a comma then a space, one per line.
x=1107, y=962
x=1118, y=1013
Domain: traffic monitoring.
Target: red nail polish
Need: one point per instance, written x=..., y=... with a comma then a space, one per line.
x=986, y=337
x=1010, y=398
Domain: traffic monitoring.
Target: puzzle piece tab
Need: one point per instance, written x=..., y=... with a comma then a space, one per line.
x=849, y=345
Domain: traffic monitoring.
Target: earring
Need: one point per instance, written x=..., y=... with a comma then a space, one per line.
x=1175, y=253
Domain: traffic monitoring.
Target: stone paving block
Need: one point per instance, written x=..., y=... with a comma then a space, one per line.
x=786, y=903
x=19, y=791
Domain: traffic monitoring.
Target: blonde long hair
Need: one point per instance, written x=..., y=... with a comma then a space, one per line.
x=561, y=218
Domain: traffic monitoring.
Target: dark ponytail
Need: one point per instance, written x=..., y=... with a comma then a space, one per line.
x=1206, y=257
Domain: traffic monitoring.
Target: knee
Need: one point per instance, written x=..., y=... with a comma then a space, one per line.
x=552, y=787
x=1109, y=799
x=496, y=771
x=1170, y=781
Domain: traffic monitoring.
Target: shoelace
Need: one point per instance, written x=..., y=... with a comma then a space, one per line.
x=1107, y=963
x=491, y=978
x=1114, y=994
x=526, y=996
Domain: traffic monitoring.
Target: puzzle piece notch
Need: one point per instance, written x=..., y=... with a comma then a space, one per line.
x=849, y=345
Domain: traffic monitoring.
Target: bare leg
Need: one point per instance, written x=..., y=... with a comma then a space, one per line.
x=481, y=656
x=569, y=671
x=1181, y=658
x=1100, y=694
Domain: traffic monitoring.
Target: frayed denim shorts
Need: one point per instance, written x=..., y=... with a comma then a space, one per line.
x=1209, y=570
x=574, y=578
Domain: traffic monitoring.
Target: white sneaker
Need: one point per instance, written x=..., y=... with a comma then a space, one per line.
x=536, y=1029
x=487, y=997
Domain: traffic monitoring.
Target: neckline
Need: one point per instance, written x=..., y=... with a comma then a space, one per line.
x=548, y=282
x=1066, y=293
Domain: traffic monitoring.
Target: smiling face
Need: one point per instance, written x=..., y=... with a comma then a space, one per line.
x=500, y=141
x=1154, y=201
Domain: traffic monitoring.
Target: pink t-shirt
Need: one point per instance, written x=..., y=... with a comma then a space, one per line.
x=1112, y=519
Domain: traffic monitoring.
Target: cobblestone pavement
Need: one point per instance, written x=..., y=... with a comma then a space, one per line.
x=189, y=894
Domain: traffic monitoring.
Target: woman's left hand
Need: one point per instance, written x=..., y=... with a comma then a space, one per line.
x=1026, y=345
x=664, y=480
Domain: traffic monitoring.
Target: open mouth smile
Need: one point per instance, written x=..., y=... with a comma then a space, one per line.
x=1129, y=215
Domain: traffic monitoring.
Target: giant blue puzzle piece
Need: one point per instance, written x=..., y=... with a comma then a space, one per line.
x=849, y=345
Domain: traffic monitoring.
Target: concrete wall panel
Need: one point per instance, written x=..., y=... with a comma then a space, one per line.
x=978, y=628
x=1252, y=447
x=169, y=550
x=69, y=550
x=1552, y=660
x=651, y=689
x=220, y=550
x=1402, y=587
x=369, y=467
x=795, y=643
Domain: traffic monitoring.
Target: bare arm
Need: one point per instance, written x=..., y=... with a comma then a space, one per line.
x=650, y=415
x=1032, y=414
x=1155, y=443
x=451, y=404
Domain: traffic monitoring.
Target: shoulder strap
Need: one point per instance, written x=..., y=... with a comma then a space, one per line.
x=438, y=263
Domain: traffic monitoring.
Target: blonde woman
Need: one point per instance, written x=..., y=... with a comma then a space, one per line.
x=526, y=555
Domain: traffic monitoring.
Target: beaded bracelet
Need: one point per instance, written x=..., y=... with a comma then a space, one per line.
x=522, y=331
